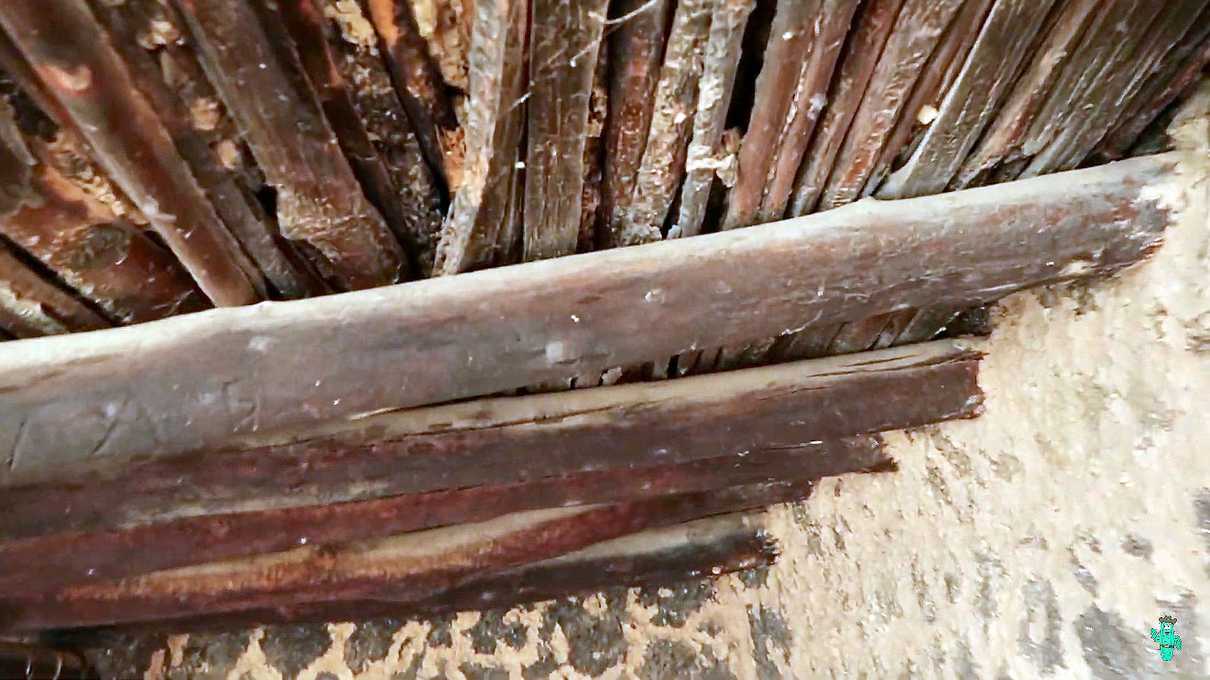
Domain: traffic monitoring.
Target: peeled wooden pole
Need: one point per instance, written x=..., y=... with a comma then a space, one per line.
x=409, y=570
x=198, y=380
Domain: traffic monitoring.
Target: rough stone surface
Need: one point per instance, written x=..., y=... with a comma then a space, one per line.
x=1043, y=539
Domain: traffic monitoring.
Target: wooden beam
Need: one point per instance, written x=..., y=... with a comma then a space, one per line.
x=45, y=563
x=407, y=570
x=706, y=547
x=196, y=380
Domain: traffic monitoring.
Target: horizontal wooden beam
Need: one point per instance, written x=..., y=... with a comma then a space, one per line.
x=409, y=570
x=707, y=547
x=196, y=380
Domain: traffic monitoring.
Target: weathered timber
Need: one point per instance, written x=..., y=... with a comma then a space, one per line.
x=706, y=155
x=787, y=53
x=419, y=83
x=928, y=95
x=835, y=19
x=194, y=125
x=1108, y=37
x=31, y=306
x=47, y=563
x=419, y=198
x=1122, y=75
x=491, y=441
x=92, y=86
x=103, y=258
x=408, y=569
x=1177, y=73
x=564, y=39
x=1048, y=58
x=593, y=160
x=637, y=45
x=484, y=201
x=663, y=165
x=223, y=372
x=320, y=204
x=654, y=557
x=859, y=59
x=918, y=30
x=313, y=37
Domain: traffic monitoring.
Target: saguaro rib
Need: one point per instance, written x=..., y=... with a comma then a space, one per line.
x=31, y=306
x=210, y=375
x=90, y=84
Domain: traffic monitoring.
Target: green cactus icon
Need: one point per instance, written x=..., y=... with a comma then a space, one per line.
x=1166, y=637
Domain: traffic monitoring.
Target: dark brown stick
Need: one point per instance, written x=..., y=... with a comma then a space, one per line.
x=418, y=197
x=484, y=201
x=564, y=39
x=319, y=201
x=418, y=83
x=31, y=307
x=705, y=155
x=835, y=18
x=211, y=375
x=637, y=46
x=865, y=45
x=917, y=32
x=196, y=126
x=663, y=164
x=88, y=80
x=791, y=40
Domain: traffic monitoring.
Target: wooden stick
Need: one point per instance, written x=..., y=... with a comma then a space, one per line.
x=565, y=37
x=320, y=204
x=31, y=306
x=103, y=258
x=1178, y=72
x=92, y=86
x=495, y=119
x=406, y=570
x=706, y=152
x=787, y=53
x=638, y=43
x=47, y=563
x=866, y=42
x=186, y=120
x=835, y=19
x=418, y=83
x=1005, y=135
x=918, y=29
x=1124, y=72
x=663, y=163
x=418, y=198
x=208, y=376
x=491, y=441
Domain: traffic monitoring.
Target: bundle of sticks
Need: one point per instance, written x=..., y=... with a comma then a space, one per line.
x=508, y=434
